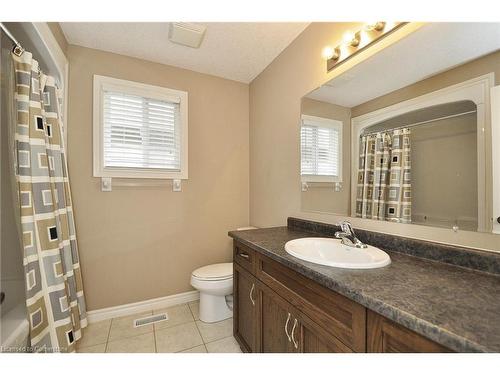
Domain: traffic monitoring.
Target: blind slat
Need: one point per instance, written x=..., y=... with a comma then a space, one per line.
x=140, y=132
x=319, y=151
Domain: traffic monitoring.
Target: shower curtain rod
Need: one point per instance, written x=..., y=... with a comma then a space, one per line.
x=419, y=123
x=18, y=49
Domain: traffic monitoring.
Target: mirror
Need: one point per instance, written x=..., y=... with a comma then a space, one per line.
x=406, y=135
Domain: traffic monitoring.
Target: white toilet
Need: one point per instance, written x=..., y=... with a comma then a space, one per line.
x=215, y=283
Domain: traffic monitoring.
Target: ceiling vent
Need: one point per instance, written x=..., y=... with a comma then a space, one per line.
x=186, y=34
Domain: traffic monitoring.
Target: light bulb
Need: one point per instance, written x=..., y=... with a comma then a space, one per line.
x=348, y=37
x=374, y=26
x=327, y=53
x=351, y=39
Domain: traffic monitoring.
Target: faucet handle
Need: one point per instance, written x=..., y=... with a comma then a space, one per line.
x=346, y=227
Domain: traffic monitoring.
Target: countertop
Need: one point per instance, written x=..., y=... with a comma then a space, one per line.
x=453, y=306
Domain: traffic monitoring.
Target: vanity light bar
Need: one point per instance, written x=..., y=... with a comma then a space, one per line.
x=353, y=43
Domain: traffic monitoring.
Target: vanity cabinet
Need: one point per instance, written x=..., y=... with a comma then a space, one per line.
x=277, y=310
x=245, y=309
x=386, y=336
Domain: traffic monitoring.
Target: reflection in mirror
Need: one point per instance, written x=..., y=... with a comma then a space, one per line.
x=395, y=180
x=413, y=138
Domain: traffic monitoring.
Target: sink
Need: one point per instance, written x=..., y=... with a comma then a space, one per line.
x=331, y=252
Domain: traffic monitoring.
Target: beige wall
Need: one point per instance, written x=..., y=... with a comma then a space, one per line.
x=144, y=242
x=274, y=138
x=275, y=99
x=475, y=68
x=449, y=146
x=56, y=30
x=321, y=196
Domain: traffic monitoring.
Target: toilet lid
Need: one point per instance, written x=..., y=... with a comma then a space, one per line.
x=214, y=271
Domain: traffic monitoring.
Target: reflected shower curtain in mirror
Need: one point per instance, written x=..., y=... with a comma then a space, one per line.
x=54, y=288
x=384, y=176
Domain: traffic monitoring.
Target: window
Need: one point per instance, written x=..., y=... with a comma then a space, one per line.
x=140, y=131
x=320, y=149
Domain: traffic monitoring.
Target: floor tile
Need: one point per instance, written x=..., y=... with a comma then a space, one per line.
x=196, y=349
x=124, y=327
x=176, y=315
x=136, y=344
x=215, y=331
x=227, y=345
x=100, y=348
x=175, y=339
x=195, y=309
x=94, y=333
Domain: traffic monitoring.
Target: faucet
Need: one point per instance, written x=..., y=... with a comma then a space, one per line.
x=348, y=237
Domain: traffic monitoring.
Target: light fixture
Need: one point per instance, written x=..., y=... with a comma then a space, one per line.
x=375, y=26
x=354, y=42
x=351, y=39
x=330, y=53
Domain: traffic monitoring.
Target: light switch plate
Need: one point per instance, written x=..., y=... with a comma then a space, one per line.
x=176, y=185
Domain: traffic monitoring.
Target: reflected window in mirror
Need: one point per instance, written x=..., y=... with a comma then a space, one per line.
x=321, y=149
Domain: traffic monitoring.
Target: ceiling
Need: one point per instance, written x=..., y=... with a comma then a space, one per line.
x=237, y=51
x=432, y=49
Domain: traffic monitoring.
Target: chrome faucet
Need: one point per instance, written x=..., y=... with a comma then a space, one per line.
x=348, y=237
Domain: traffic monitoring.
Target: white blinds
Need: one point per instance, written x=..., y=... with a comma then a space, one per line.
x=141, y=132
x=319, y=150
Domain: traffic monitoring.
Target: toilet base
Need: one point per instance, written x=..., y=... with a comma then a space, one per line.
x=214, y=308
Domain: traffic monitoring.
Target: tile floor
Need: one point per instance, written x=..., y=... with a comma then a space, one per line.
x=182, y=333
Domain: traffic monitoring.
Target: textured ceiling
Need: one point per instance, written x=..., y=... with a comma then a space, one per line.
x=237, y=51
x=432, y=49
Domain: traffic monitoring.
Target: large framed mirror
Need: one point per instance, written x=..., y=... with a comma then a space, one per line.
x=409, y=135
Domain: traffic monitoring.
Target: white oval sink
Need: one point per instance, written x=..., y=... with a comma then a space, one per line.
x=331, y=252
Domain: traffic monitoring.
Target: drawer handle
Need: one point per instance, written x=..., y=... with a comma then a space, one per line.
x=286, y=327
x=244, y=255
x=295, y=343
x=251, y=294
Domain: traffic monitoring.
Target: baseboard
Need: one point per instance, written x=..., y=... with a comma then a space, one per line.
x=138, y=307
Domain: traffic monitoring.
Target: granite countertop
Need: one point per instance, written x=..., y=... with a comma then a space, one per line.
x=453, y=306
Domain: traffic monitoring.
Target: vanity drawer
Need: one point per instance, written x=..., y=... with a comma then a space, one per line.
x=336, y=314
x=244, y=256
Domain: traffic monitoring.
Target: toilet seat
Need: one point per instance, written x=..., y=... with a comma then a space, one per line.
x=214, y=272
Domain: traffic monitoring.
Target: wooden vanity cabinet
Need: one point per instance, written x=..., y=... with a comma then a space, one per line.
x=386, y=336
x=245, y=309
x=277, y=310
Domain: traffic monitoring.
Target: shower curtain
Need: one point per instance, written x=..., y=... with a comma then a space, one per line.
x=384, y=176
x=54, y=289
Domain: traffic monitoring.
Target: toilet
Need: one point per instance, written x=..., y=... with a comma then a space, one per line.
x=215, y=283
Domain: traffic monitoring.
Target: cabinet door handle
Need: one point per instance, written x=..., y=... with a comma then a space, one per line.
x=251, y=294
x=244, y=255
x=286, y=327
x=295, y=343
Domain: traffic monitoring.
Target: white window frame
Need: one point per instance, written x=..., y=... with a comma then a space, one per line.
x=101, y=84
x=326, y=123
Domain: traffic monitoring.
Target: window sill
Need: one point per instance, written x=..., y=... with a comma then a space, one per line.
x=323, y=179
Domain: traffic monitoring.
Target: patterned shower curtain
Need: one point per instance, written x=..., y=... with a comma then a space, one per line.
x=384, y=176
x=54, y=289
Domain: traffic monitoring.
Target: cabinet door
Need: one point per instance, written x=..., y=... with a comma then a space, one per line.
x=276, y=323
x=314, y=339
x=245, y=309
x=385, y=336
